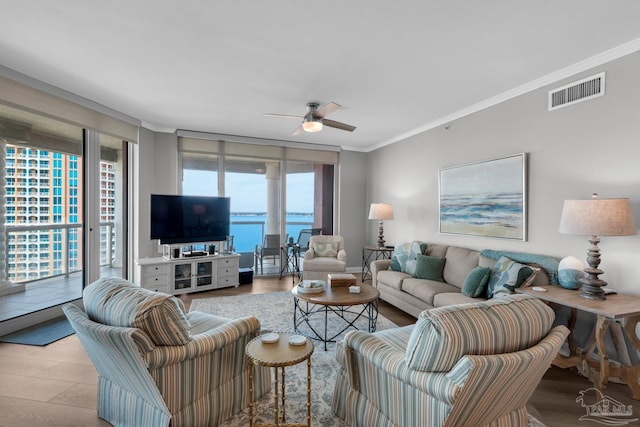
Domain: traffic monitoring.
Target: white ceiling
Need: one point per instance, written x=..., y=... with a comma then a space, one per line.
x=397, y=67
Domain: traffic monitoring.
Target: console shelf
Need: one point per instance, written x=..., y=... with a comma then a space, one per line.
x=184, y=275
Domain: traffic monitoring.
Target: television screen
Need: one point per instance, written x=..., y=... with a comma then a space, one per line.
x=189, y=219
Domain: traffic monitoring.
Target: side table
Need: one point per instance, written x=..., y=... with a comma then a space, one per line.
x=610, y=313
x=372, y=253
x=279, y=355
x=290, y=260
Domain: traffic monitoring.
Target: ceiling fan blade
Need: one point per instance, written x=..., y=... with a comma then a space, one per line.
x=326, y=109
x=298, y=131
x=286, y=116
x=338, y=125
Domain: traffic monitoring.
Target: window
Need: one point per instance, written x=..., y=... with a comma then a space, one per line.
x=254, y=177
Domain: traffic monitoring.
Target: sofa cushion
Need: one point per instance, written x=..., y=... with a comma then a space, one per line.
x=442, y=336
x=430, y=267
x=476, y=282
x=436, y=249
x=425, y=290
x=460, y=261
x=117, y=302
x=392, y=278
x=506, y=276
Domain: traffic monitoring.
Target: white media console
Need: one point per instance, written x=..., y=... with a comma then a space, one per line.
x=187, y=274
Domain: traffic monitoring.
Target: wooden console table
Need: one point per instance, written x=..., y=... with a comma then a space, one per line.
x=611, y=314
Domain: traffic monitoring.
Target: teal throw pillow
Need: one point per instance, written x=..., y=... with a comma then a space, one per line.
x=429, y=267
x=506, y=276
x=395, y=264
x=475, y=283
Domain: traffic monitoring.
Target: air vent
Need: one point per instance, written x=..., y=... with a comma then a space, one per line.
x=582, y=90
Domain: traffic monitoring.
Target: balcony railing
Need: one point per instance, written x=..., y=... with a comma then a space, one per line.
x=61, y=259
x=58, y=262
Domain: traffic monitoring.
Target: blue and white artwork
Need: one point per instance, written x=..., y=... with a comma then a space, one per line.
x=485, y=198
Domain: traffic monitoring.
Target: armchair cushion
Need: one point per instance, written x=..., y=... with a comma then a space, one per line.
x=116, y=302
x=442, y=336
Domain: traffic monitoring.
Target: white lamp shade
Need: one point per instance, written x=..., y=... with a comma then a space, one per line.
x=597, y=217
x=381, y=211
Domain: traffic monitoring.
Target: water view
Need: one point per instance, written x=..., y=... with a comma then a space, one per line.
x=248, y=228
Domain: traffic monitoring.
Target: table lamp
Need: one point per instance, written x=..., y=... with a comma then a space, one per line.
x=381, y=211
x=596, y=217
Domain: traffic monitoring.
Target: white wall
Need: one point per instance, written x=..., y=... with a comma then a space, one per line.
x=156, y=170
x=574, y=151
x=352, y=216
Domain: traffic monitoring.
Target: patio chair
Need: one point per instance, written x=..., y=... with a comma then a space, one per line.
x=270, y=247
x=304, y=236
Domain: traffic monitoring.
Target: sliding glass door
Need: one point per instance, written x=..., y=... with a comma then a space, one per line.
x=47, y=208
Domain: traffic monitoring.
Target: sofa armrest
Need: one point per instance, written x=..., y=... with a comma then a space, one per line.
x=376, y=266
x=342, y=255
x=244, y=328
x=364, y=351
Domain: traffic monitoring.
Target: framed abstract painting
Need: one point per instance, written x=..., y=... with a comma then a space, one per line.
x=487, y=198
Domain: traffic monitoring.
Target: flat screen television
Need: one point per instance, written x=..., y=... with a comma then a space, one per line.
x=189, y=219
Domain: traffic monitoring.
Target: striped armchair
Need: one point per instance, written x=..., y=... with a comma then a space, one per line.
x=157, y=365
x=464, y=365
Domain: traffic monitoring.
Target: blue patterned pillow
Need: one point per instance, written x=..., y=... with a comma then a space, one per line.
x=506, y=276
x=405, y=256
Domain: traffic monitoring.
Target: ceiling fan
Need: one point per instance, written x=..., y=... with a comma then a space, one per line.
x=315, y=120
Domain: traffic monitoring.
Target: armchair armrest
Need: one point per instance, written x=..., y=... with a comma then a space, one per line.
x=342, y=255
x=206, y=342
x=364, y=349
x=309, y=254
x=376, y=266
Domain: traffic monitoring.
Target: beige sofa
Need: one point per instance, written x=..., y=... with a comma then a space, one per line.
x=414, y=295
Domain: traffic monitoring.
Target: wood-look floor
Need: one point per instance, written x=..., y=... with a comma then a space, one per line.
x=56, y=385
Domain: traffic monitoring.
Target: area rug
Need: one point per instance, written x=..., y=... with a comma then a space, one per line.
x=41, y=334
x=275, y=312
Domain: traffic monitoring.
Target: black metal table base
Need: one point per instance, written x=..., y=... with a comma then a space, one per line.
x=350, y=314
x=290, y=261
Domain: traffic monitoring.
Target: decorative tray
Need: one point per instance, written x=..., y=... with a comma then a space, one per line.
x=311, y=286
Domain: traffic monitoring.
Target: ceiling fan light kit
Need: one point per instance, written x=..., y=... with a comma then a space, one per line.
x=314, y=120
x=311, y=124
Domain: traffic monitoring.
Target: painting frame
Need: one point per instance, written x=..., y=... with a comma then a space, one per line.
x=486, y=198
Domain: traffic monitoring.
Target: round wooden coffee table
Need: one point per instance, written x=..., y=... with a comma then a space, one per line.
x=338, y=300
x=279, y=355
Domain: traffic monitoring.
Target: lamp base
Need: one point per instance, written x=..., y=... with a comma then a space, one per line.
x=591, y=285
x=592, y=290
x=381, y=236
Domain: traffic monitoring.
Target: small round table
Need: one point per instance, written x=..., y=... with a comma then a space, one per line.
x=337, y=300
x=279, y=355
